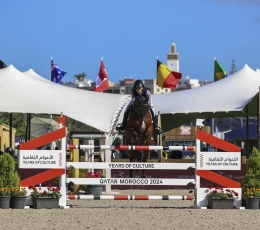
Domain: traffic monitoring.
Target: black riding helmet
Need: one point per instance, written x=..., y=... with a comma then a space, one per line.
x=9, y=150
x=138, y=84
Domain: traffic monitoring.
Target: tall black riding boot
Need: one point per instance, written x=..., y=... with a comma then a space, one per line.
x=157, y=129
x=121, y=127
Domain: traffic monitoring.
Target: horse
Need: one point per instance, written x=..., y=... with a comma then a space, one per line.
x=139, y=131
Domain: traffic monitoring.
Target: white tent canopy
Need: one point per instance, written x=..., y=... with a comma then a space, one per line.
x=225, y=98
x=30, y=93
x=22, y=93
x=32, y=74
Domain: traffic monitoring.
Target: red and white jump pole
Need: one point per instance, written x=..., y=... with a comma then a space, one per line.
x=127, y=197
x=130, y=147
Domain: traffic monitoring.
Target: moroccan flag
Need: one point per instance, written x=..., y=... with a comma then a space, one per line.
x=165, y=77
x=219, y=71
x=2, y=64
x=102, y=79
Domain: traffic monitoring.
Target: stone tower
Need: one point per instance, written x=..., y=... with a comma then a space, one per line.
x=173, y=59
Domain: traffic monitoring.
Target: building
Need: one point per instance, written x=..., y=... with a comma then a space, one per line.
x=152, y=85
x=5, y=137
x=188, y=84
x=124, y=86
x=184, y=135
x=173, y=62
x=84, y=84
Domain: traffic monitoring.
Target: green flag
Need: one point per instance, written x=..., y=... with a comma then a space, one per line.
x=219, y=71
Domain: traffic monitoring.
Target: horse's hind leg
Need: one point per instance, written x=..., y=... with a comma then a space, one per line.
x=145, y=157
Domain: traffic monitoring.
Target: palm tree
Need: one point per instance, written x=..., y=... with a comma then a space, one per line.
x=80, y=76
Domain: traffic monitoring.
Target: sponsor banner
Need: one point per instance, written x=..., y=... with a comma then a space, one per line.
x=219, y=161
x=106, y=165
x=130, y=181
x=41, y=159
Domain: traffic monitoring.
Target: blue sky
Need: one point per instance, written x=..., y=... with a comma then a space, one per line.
x=129, y=35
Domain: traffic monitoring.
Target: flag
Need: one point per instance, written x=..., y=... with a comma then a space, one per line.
x=2, y=64
x=56, y=73
x=219, y=71
x=102, y=79
x=165, y=77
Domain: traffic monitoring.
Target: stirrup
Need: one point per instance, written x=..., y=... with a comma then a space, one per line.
x=158, y=130
x=120, y=128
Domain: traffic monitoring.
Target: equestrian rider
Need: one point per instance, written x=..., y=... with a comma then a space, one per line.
x=139, y=90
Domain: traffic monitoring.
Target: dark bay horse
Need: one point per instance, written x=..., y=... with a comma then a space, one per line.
x=139, y=131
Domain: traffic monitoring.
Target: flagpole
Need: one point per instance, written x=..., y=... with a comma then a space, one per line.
x=158, y=123
x=51, y=60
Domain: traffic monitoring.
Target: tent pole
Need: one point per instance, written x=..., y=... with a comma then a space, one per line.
x=10, y=129
x=26, y=129
x=29, y=126
x=247, y=133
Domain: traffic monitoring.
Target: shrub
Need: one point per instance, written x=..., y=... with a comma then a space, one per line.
x=252, y=177
x=8, y=176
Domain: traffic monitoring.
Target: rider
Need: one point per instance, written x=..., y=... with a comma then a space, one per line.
x=139, y=90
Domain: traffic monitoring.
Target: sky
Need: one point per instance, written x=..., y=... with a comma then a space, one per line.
x=129, y=35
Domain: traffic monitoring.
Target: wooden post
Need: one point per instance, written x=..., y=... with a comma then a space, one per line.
x=244, y=160
x=74, y=156
x=162, y=158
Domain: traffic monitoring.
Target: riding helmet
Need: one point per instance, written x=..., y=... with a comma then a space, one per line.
x=9, y=150
x=138, y=84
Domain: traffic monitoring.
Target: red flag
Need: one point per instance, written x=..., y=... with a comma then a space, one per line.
x=102, y=79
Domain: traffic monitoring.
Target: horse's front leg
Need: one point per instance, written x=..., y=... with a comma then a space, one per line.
x=131, y=158
x=145, y=157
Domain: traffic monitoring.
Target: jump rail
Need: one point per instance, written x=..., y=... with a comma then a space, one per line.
x=127, y=197
x=130, y=147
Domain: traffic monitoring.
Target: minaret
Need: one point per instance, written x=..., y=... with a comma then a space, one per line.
x=173, y=59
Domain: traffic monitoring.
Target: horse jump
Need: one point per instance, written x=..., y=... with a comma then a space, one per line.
x=205, y=163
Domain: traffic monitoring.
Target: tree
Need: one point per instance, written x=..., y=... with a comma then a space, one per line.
x=252, y=177
x=80, y=76
x=18, y=122
x=233, y=67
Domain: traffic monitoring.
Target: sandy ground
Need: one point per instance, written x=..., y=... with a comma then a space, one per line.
x=110, y=214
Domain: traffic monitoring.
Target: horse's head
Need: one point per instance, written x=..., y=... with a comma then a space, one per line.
x=141, y=106
x=140, y=100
